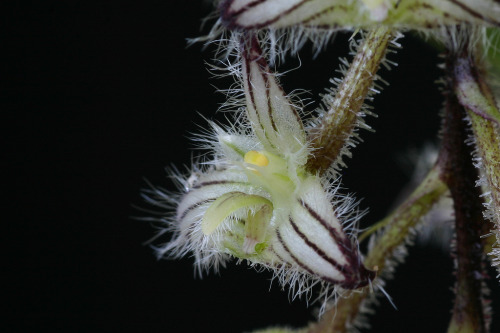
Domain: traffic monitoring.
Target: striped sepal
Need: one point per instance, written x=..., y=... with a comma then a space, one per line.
x=274, y=119
x=312, y=240
x=205, y=190
x=336, y=14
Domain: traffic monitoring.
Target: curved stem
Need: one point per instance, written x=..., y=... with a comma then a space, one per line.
x=460, y=174
x=398, y=226
x=476, y=97
x=345, y=110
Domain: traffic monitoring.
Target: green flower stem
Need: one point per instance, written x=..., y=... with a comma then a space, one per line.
x=398, y=225
x=345, y=111
x=476, y=97
x=405, y=217
x=487, y=137
x=460, y=174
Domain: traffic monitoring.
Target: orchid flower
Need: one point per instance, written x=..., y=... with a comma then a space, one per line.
x=268, y=192
x=256, y=201
x=345, y=14
x=286, y=25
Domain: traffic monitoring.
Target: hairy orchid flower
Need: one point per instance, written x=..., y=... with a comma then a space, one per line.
x=287, y=25
x=267, y=191
x=256, y=201
x=345, y=14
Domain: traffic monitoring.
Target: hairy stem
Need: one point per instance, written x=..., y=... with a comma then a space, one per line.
x=476, y=97
x=399, y=223
x=344, y=112
x=459, y=174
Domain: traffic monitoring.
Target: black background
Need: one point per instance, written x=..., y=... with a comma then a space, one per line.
x=99, y=96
